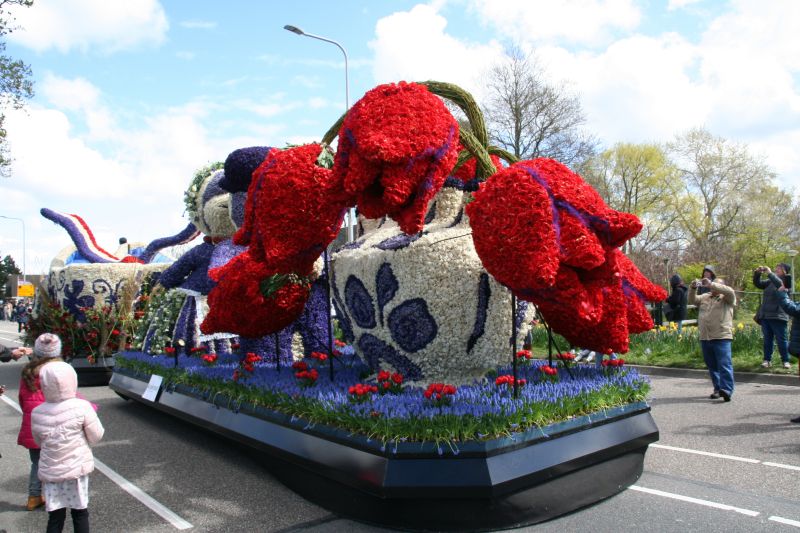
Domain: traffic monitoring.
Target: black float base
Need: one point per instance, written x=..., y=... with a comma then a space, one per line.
x=481, y=485
x=90, y=375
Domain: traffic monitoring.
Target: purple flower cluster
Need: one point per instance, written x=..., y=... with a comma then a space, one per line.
x=480, y=399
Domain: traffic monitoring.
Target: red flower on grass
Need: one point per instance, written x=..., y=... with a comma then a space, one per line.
x=508, y=380
x=390, y=382
x=549, y=373
x=440, y=393
x=360, y=392
x=524, y=354
x=307, y=378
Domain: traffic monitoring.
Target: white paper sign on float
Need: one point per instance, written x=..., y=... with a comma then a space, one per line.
x=153, y=387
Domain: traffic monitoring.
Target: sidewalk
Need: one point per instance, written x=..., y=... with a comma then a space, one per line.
x=739, y=377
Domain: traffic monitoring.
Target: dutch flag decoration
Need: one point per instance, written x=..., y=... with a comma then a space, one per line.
x=81, y=235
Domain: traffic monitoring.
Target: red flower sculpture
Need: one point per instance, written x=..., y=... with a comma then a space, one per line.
x=548, y=236
x=237, y=304
x=396, y=147
x=294, y=209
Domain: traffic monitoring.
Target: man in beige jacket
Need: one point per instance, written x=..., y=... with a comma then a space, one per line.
x=715, y=325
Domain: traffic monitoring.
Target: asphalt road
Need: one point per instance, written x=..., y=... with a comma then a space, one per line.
x=718, y=467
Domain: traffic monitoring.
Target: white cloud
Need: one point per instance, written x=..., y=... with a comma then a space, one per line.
x=414, y=46
x=638, y=90
x=569, y=21
x=198, y=24
x=680, y=4
x=96, y=25
x=125, y=181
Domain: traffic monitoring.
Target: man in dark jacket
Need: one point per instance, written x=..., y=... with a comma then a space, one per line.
x=677, y=300
x=792, y=309
x=773, y=318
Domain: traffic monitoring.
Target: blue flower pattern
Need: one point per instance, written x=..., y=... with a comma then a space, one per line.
x=410, y=323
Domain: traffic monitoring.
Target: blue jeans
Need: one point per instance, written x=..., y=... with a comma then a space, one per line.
x=775, y=329
x=717, y=355
x=34, y=484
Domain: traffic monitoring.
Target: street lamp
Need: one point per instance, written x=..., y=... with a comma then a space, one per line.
x=24, y=270
x=791, y=254
x=298, y=31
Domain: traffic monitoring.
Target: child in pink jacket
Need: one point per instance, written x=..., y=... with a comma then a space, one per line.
x=47, y=348
x=65, y=426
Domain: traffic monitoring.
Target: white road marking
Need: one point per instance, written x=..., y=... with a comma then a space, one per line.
x=176, y=521
x=689, y=499
x=729, y=457
x=786, y=521
x=781, y=465
x=9, y=339
x=709, y=454
x=139, y=494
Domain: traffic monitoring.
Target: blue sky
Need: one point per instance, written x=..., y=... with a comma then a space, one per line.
x=133, y=96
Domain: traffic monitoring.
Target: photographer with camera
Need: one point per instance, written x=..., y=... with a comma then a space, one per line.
x=715, y=326
x=772, y=318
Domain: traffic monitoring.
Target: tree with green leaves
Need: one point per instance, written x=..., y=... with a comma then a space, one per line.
x=7, y=268
x=530, y=117
x=639, y=179
x=15, y=79
x=718, y=178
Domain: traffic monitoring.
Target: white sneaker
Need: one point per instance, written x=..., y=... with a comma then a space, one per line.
x=766, y=364
x=787, y=365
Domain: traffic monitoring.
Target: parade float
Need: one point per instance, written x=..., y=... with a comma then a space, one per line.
x=89, y=295
x=422, y=412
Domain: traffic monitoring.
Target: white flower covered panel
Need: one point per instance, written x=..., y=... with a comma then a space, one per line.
x=422, y=304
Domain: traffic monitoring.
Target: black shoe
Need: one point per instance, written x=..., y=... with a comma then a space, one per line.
x=714, y=395
x=795, y=420
x=725, y=395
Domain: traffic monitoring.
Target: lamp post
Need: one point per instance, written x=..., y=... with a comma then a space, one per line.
x=24, y=270
x=791, y=254
x=298, y=31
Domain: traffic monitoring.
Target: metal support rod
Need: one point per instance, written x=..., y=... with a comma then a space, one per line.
x=329, y=280
x=277, y=351
x=514, y=342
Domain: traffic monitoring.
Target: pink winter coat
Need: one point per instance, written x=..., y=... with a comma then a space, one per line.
x=27, y=401
x=64, y=426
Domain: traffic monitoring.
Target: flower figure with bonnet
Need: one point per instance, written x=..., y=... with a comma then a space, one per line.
x=207, y=205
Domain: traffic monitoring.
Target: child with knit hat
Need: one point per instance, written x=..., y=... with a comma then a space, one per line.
x=46, y=349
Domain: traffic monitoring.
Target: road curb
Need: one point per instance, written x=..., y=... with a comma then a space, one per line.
x=740, y=377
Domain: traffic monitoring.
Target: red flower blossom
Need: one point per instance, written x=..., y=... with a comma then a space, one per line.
x=396, y=147
x=360, y=391
x=439, y=393
x=238, y=305
x=169, y=350
x=300, y=365
x=390, y=382
x=509, y=381
x=338, y=343
x=319, y=356
x=209, y=358
x=294, y=209
x=307, y=378
x=512, y=228
x=524, y=354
